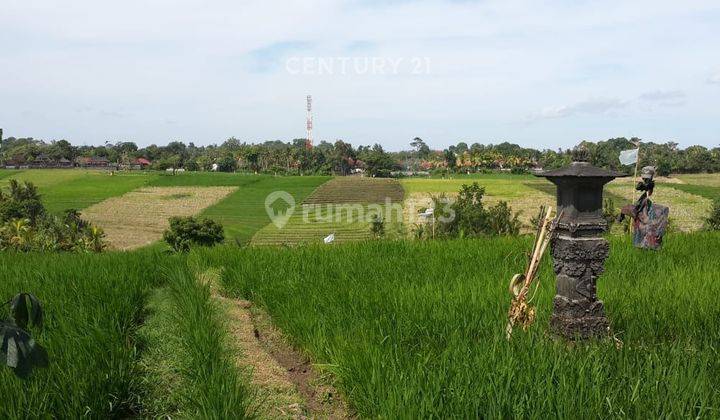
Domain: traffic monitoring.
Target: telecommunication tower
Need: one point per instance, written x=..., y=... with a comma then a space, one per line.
x=309, y=141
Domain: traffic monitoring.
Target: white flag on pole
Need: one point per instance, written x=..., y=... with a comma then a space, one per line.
x=329, y=239
x=629, y=157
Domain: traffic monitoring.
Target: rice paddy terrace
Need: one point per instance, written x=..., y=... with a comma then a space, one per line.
x=389, y=329
x=343, y=207
x=137, y=204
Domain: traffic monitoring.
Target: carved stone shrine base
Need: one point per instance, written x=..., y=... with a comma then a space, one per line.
x=578, y=262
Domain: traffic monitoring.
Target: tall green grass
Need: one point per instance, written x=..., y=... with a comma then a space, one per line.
x=416, y=330
x=188, y=369
x=93, y=304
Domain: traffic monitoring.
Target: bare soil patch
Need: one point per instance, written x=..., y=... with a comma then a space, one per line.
x=321, y=398
x=139, y=217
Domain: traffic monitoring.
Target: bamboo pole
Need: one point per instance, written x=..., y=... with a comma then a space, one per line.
x=637, y=163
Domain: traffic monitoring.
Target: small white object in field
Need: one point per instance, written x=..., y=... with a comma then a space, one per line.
x=214, y=167
x=170, y=170
x=180, y=170
x=329, y=239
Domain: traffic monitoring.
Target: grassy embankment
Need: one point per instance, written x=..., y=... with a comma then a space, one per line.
x=188, y=368
x=416, y=329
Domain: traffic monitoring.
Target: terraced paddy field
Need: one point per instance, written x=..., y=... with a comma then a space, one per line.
x=524, y=193
x=63, y=189
x=392, y=329
x=245, y=217
x=243, y=212
x=689, y=203
x=140, y=217
x=343, y=206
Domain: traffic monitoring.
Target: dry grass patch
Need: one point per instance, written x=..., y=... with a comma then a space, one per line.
x=139, y=217
x=687, y=211
x=528, y=205
x=711, y=180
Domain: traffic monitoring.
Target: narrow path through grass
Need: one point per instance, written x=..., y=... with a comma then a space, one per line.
x=284, y=382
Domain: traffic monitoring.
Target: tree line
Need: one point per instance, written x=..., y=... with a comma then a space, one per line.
x=341, y=158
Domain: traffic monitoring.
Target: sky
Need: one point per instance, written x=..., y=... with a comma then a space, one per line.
x=543, y=74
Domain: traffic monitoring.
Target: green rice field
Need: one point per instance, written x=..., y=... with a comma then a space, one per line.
x=392, y=328
x=421, y=333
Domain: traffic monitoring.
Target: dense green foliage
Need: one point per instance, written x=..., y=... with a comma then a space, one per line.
x=466, y=216
x=186, y=232
x=340, y=158
x=423, y=336
x=25, y=225
x=21, y=202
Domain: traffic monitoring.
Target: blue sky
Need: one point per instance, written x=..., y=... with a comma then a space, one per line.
x=545, y=74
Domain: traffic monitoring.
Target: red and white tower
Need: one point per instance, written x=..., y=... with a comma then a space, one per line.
x=309, y=141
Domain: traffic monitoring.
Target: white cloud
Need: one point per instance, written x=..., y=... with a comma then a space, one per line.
x=590, y=106
x=218, y=69
x=663, y=96
x=714, y=79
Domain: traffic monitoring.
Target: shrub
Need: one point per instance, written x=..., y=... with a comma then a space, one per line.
x=377, y=226
x=25, y=225
x=467, y=216
x=22, y=202
x=713, y=222
x=502, y=221
x=187, y=231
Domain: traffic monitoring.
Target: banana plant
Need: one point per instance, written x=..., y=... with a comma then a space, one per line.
x=19, y=233
x=18, y=350
x=95, y=239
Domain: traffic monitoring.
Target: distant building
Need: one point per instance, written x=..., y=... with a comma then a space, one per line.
x=42, y=161
x=143, y=163
x=93, y=162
